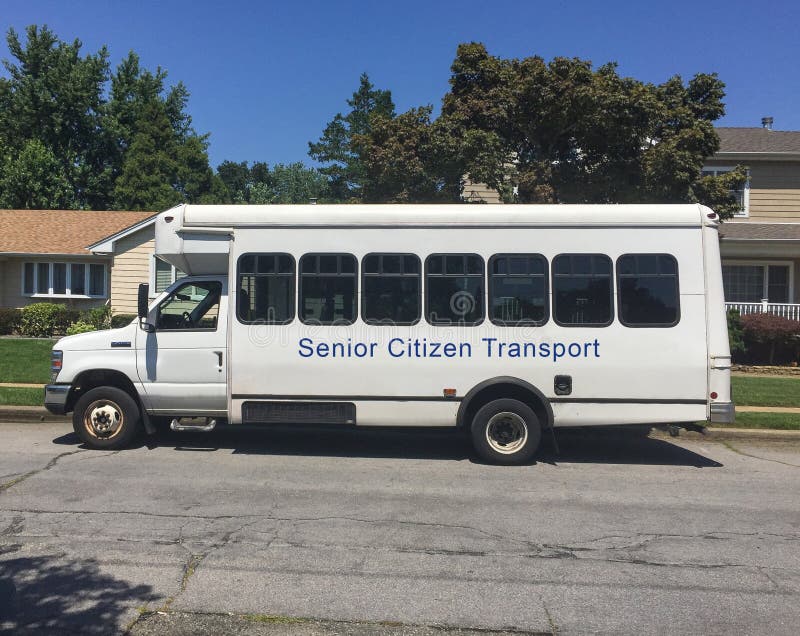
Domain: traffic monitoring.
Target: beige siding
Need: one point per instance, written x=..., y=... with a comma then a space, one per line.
x=11, y=284
x=131, y=266
x=774, y=190
x=480, y=192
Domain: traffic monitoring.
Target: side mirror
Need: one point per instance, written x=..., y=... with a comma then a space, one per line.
x=143, y=299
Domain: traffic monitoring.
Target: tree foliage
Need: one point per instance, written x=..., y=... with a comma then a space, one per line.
x=75, y=135
x=284, y=183
x=337, y=149
x=561, y=131
x=405, y=160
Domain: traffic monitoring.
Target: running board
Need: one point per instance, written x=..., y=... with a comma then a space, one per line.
x=209, y=425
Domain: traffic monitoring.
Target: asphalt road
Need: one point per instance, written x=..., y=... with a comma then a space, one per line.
x=396, y=532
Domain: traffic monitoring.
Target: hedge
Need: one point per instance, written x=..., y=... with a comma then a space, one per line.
x=769, y=339
x=9, y=320
x=121, y=320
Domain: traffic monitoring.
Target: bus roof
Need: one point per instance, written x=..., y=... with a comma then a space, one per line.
x=444, y=215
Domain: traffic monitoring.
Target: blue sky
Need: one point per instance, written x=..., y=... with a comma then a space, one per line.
x=265, y=77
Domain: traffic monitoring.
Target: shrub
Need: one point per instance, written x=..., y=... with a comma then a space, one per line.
x=79, y=327
x=770, y=338
x=40, y=320
x=64, y=318
x=735, y=332
x=121, y=320
x=9, y=320
x=99, y=317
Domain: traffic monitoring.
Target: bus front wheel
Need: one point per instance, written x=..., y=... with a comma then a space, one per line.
x=106, y=417
x=506, y=432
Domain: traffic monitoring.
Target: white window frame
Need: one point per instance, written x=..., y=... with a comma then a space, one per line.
x=719, y=170
x=68, y=265
x=765, y=265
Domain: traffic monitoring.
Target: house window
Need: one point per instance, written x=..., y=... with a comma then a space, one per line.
x=163, y=275
x=742, y=194
x=753, y=282
x=64, y=280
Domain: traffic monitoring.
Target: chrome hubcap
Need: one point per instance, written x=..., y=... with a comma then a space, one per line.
x=103, y=419
x=506, y=432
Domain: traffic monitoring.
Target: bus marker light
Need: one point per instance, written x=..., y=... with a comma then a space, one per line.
x=448, y=393
x=713, y=395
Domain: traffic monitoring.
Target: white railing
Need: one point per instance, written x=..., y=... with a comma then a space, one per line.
x=785, y=310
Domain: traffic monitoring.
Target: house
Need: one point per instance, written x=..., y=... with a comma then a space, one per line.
x=760, y=246
x=133, y=261
x=45, y=256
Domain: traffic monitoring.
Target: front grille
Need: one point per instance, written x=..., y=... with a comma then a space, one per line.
x=299, y=413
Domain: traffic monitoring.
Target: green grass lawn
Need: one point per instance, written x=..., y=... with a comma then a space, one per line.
x=782, y=421
x=765, y=391
x=25, y=360
x=21, y=396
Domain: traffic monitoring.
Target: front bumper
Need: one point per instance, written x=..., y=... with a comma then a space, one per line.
x=55, y=398
x=722, y=413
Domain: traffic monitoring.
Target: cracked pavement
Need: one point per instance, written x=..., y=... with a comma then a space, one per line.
x=396, y=532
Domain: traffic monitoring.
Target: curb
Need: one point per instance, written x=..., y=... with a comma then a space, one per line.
x=16, y=414
x=721, y=434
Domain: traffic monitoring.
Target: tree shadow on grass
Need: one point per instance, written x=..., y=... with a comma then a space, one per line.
x=621, y=445
x=52, y=595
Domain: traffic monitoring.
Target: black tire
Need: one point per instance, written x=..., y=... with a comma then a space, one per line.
x=506, y=432
x=106, y=418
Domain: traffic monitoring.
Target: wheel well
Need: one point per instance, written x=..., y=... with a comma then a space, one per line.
x=89, y=380
x=498, y=388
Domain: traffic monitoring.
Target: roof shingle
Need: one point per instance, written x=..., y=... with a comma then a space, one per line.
x=760, y=231
x=758, y=140
x=60, y=231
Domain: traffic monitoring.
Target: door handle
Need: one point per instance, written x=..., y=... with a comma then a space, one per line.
x=219, y=359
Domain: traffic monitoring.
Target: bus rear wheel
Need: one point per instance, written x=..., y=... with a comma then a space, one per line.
x=506, y=431
x=106, y=418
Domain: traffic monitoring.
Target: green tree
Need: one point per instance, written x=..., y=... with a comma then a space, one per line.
x=34, y=179
x=239, y=179
x=405, y=160
x=564, y=131
x=344, y=163
x=85, y=122
x=295, y=183
x=55, y=96
x=150, y=167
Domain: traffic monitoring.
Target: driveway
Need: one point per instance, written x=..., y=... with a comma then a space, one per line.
x=396, y=532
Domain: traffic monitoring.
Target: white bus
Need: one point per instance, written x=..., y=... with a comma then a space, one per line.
x=506, y=321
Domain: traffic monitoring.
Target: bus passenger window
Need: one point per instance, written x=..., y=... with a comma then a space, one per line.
x=518, y=289
x=391, y=289
x=328, y=289
x=647, y=290
x=454, y=289
x=582, y=292
x=266, y=289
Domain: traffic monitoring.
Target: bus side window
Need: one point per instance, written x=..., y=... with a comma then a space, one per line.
x=647, y=290
x=391, y=289
x=266, y=289
x=454, y=285
x=518, y=289
x=328, y=289
x=582, y=290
